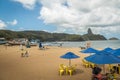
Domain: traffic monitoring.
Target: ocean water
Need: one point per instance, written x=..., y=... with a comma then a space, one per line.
x=95, y=44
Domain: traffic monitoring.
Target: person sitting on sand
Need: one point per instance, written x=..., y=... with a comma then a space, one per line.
x=22, y=54
x=111, y=75
x=26, y=54
x=41, y=46
x=97, y=74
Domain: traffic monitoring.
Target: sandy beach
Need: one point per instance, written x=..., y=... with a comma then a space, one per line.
x=40, y=65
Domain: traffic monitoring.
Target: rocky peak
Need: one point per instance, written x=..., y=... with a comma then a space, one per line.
x=89, y=31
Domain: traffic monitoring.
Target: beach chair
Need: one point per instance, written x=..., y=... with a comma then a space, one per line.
x=92, y=65
x=115, y=76
x=70, y=72
x=62, y=66
x=110, y=67
x=74, y=67
x=67, y=70
x=86, y=64
x=118, y=69
x=61, y=72
x=112, y=76
x=61, y=69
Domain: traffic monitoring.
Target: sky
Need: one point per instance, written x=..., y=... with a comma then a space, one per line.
x=62, y=16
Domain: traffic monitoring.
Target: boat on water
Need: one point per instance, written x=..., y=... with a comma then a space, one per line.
x=19, y=43
x=22, y=41
x=3, y=41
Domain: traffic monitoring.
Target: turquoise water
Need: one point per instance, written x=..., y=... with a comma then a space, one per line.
x=94, y=44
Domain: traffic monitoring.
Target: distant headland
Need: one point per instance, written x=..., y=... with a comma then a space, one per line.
x=113, y=38
x=46, y=36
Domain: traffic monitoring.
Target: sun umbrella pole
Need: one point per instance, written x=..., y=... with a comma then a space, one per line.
x=103, y=68
x=69, y=62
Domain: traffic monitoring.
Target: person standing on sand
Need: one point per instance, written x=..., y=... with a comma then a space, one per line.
x=88, y=44
x=21, y=47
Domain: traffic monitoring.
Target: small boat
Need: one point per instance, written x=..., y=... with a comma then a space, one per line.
x=19, y=43
x=3, y=41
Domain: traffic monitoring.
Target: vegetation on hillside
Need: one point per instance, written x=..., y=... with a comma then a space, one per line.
x=113, y=38
x=46, y=36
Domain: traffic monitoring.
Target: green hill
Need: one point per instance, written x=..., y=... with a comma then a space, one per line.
x=113, y=38
x=46, y=36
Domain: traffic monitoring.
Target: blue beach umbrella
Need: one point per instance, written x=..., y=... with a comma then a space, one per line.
x=103, y=57
x=89, y=50
x=116, y=52
x=69, y=55
x=108, y=49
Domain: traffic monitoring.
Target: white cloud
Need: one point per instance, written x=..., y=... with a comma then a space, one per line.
x=78, y=15
x=29, y=4
x=2, y=24
x=13, y=23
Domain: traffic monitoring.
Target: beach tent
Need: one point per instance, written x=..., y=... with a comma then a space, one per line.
x=116, y=52
x=103, y=57
x=108, y=49
x=69, y=56
x=89, y=50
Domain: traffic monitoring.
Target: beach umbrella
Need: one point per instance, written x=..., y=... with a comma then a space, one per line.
x=89, y=50
x=108, y=49
x=103, y=57
x=116, y=52
x=69, y=55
